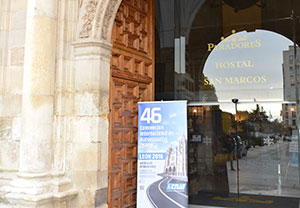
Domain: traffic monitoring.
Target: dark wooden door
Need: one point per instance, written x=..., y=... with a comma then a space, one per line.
x=132, y=80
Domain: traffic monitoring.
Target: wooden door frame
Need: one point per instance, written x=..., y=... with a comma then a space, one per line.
x=152, y=46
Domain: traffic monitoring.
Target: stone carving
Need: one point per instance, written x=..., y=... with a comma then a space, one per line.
x=109, y=14
x=88, y=18
x=101, y=13
x=99, y=17
x=80, y=3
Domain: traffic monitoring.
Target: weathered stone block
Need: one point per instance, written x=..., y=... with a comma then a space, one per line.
x=85, y=129
x=11, y=105
x=83, y=75
x=102, y=178
x=85, y=158
x=86, y=103
x=17, y=56
x=17, y=5
x=16, y=38
x=9, y=154
x=14, y=80
x=18, y=19
x=85, y=180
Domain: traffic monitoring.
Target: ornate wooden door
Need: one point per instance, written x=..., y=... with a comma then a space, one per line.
x=132, y=80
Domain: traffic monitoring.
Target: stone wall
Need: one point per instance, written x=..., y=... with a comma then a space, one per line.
x=78, y=148
x=12, y=33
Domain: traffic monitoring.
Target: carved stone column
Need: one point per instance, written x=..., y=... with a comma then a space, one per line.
x=36, y=185
x=38, y=88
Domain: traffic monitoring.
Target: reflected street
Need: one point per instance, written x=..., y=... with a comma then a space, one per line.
x=267, y=171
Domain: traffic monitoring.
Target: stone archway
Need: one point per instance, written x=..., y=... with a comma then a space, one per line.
x=96, y=18
x=123, y=66
x=92, y=54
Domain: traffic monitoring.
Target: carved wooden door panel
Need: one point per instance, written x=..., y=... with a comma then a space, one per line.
x=132, y=74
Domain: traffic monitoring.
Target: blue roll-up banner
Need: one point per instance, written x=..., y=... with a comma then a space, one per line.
x=162, y=155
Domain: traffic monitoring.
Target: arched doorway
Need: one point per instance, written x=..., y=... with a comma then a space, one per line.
x=131, y=81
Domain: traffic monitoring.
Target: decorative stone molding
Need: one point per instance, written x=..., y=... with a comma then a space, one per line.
x=97, y=18
x=80, y=3
x=87, y=48
x=108, y=19
x=88, y=18
x=44, y=192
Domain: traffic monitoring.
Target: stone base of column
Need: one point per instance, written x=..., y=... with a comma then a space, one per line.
x=38, y=191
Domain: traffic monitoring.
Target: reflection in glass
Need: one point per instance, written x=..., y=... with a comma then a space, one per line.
x=239, y=67
x=267, y=155
x=209, y=52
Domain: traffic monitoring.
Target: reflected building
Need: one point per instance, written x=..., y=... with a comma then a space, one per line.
x=209, y=52
x=176, y=158
x=289, y=115
x=181, y=49
x=184, y=86
x=289, y=86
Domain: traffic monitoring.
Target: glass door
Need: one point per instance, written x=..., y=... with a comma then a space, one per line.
x=237, y=64
x=243, y=155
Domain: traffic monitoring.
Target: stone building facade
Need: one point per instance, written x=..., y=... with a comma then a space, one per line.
x=55, y=63
x=290, y=72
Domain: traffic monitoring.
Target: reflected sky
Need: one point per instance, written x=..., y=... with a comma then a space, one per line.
x=248, y=66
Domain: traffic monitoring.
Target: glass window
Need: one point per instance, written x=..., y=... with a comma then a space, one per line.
x=292, y=79
x=233, y=61
x=291, y=58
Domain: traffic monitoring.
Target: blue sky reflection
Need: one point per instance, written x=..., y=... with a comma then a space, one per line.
x=248, y=66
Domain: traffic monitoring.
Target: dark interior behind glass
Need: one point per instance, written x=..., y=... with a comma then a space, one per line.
x=242, y=152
